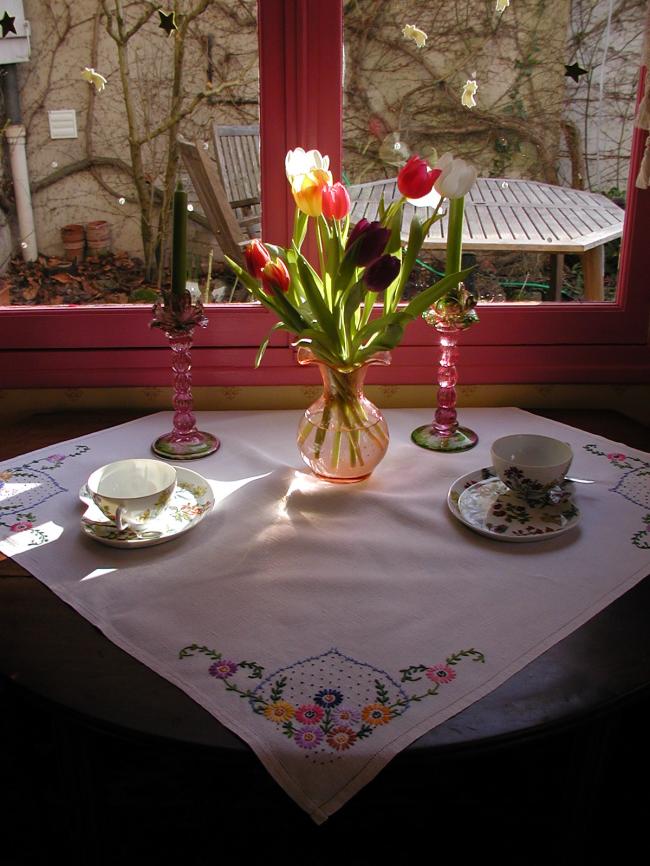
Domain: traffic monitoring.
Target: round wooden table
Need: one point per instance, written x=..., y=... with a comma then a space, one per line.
x=55, y=659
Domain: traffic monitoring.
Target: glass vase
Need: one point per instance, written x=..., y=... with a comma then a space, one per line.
x=342, y=436
x=184, y=442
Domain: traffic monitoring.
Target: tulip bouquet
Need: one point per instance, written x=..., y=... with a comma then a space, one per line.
x=345, y=311
x=329, y=307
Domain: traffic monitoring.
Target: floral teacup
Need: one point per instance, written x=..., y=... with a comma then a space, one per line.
x=531, y=465
x=134, y=492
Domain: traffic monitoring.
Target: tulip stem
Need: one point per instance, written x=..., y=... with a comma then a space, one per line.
x=455, y=235
x=321, y=259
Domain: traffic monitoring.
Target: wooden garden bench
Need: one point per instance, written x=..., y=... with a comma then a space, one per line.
x=503, y=214
x=237, y=149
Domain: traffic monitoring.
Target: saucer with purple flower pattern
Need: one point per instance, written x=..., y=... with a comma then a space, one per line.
x=482, y=502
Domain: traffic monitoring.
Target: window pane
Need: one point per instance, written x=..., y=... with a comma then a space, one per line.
x=550, y=132
x=96, y=200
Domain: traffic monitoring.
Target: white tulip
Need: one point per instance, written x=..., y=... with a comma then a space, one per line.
x=456, y=178
x=431, y=199
x=298, y=162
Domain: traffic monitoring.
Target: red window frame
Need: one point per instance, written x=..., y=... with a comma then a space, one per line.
x=301, y=103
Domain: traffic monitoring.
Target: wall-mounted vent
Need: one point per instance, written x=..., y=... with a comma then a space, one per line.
x=63, y=123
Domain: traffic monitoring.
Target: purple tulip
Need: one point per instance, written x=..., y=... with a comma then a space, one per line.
x=381, y=273
x=369, y=241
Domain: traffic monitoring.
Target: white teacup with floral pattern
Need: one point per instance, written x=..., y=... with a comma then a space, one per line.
x=133, y=492
x=531, y=465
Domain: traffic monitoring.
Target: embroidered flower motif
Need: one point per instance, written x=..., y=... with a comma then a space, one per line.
x=279, y=711
x=56, y=458
x=309, y=714
x=21, y=526
x=341, y=738
x=5, y=476
x=376, y=714
x=330, y=722
x=223, y=669
x=308, y=738
x=328, y=698
x=616, y=457
x=441, y=674
x=346, y=714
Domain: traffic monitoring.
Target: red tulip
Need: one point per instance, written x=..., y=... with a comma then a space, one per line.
x=275, y=277
x=336, y=202
x=257, y=256
x=417, y=178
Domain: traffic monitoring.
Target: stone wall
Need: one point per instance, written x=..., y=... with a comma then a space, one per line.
x=398, y=92
x=395, y=94
x=66, y=37
x=605, y=38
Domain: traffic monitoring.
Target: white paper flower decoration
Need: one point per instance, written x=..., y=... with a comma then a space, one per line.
x=93, y=77
x=410, y=31
x=469, y=90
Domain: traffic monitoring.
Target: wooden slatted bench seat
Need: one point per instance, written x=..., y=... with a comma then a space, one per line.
x=237, y=149
x=504, y=214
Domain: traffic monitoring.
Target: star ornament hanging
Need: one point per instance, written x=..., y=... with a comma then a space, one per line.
x=167, y=21
x=574, y=71
x=8, y=24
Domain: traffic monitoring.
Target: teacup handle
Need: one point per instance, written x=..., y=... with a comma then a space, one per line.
x=120, y=522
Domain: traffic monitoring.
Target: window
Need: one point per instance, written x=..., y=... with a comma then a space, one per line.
x=300, y=48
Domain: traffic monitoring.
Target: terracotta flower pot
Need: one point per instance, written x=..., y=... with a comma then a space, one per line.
x=98, y=234
x=74, y=241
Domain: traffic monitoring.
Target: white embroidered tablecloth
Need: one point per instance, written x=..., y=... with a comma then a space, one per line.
x=331, y=625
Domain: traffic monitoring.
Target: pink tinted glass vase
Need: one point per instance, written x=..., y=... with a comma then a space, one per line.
x=184, y=442
x=342, y=436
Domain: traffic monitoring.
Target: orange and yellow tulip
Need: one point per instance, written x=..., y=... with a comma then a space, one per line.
x=308, y=189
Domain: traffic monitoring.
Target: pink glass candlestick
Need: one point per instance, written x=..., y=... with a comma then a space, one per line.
x=449, y=316
x=177, y=316
x=184, y=442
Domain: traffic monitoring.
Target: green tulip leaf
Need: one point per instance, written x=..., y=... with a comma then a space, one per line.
x=313, y=289
x=265, y=342
x=429, y=296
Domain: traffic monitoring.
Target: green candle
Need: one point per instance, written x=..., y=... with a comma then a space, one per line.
x=179, y=242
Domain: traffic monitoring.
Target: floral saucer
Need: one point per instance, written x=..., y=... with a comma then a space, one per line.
x=486, y=505
x=190, y=502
